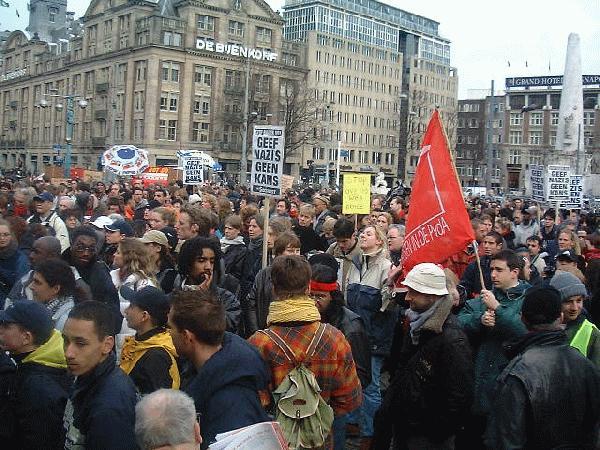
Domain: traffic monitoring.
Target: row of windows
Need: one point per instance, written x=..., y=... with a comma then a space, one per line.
x=235, y=28
x=355, y=156
x=357, y=65
x=536, y=138
x=537, y=118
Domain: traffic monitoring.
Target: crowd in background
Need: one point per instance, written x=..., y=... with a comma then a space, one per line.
x=112, y=291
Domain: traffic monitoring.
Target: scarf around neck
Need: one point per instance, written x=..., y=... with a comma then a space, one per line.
x=296, y=309
x=417, y=320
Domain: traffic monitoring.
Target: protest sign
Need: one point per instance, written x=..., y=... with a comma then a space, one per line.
x=193, y=170
x=575, y=192
x=356, y=196
x=287, y=181
x=537, y=182
x=438, y=225
x=558, y=183
x=268, y=142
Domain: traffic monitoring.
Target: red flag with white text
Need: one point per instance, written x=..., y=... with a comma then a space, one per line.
x=438, y=225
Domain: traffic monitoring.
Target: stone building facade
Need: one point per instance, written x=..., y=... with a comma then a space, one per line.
x=163, y=76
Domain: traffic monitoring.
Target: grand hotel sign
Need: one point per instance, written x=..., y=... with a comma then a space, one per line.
x=550, y=80
x=235, y=50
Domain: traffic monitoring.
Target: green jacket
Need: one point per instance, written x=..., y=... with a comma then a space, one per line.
x=488, y=342
x=593, y=349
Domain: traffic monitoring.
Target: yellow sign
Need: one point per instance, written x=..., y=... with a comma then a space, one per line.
x=356, y=197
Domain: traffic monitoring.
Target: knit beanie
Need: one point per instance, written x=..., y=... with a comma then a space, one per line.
x=568, y=285
x=541, y=305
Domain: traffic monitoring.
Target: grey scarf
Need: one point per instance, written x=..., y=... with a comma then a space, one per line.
x=417, y=320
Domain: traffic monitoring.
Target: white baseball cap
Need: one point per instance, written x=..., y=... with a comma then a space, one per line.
x=427, y=278
x=194, y=198
x=101, y=222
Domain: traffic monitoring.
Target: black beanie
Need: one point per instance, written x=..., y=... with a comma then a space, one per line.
x=542, y=305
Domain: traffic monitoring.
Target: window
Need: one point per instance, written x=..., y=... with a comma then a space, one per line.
x=263, y=35
x=472, y=139
x=389, y=159
x=236, y=28
x=170, y=71
x=516, y=119
x=263, y=83
x=138, y=129
x=203, y=75
x=514, y=156
x=515, y=137
x=535, y=137
x=376, y=158
x=589, y=118
x=536, y=118
x=164, y=101
x=233, y=79
x=138, y=101
x=171, y=130
x=363, y=157
x=317, y=153
x=172, y=38
x=473, y=123
x=206, y=23
x=553, y=138
x=200, y=132
x=173, y=102
x=588, y=138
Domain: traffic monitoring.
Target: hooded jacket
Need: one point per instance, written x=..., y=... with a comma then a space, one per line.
x=149, y=360
x=38, y=397
x=432, y=389
x=366, y=293
x=100, y=414
x=225, y=389
x=548, y=397
x=489, y=357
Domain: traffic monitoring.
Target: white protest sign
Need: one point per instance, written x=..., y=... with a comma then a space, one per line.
x=537, y=182
x=193, y=170
x=268, y=143
x=558, y=183
x=575, y=192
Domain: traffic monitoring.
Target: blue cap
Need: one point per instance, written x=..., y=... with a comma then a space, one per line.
x=32, y=316
x=122, y=226
x=44, y=197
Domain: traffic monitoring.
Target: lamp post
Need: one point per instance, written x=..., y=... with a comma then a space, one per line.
x=69, y=119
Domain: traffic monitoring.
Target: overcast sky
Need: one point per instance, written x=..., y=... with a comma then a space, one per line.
x=485, y=35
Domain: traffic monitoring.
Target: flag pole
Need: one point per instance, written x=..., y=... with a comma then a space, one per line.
x=265, y=248
x=475, y=244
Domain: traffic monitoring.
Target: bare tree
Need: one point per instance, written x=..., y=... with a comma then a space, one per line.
x=299, y=114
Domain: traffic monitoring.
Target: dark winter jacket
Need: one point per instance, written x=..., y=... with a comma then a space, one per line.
x=225, y=389
x=353, y=328
x=309, y=239
x=252, y=265
x=39, y=392
x=470, y=279
x=432, y=389
x=234, y=257
x=97, y=277
x=489, y=357
x=259, y=298
x=548, y=397
x=13, y=265
x=166, y=276
x=100, y=414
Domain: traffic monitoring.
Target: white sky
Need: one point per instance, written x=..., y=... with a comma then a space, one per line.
x=485, y=35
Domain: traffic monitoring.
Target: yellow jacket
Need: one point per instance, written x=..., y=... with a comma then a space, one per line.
x=133, y=350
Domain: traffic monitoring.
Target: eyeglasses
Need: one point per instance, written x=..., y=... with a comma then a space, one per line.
x=84, y=249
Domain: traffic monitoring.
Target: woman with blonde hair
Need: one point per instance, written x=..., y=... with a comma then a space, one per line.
x=368, y=295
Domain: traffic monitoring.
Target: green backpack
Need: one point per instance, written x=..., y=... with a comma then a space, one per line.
x=304, y=416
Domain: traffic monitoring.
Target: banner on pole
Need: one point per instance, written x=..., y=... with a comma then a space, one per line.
x=193, y=170
x=287, y=181
x=575, y=192
x=268, y=143
x=356, y=196
x=558, y=183
x=537, y=182
x=438, y=225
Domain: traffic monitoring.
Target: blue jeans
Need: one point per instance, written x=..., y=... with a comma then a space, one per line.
x=371, y=398
x=339, y=432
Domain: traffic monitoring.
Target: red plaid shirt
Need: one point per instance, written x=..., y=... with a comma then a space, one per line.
x=332, y=363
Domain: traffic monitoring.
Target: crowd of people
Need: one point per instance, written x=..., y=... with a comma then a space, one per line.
x=142, y=316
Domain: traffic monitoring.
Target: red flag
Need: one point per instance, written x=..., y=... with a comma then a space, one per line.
x=438, y=225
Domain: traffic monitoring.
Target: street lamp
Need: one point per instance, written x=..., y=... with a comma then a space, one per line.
x=69, y=118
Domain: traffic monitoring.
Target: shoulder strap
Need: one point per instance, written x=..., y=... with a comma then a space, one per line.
x=312, y=348
x=287, y=351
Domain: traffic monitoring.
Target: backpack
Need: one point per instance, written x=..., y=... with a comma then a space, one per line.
x=304, y=416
